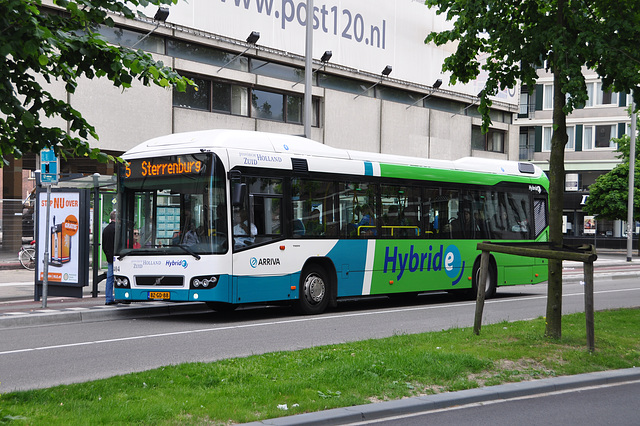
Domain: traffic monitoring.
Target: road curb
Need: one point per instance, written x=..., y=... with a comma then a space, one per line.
x=381, y=410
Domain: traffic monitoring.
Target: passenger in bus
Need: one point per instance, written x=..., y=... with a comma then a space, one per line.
x=244, y=233
x=313, y=225
x=136, y=239
x=175, y=238
x=366, y=225
x=191, y=237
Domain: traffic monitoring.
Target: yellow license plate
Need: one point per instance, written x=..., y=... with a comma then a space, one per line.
x=162, y=295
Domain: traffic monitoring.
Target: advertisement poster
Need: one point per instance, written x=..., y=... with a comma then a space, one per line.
x=64, y=237
x=589, y=225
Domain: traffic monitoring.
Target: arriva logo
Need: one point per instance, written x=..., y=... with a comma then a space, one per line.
x=265, y=261
x=450, y=260
x=182, y=263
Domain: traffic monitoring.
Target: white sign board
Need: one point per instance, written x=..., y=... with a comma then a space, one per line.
x=362, y=34
x=63, y=229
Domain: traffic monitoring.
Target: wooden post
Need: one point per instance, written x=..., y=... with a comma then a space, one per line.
x=482, y=280
x=588, y=304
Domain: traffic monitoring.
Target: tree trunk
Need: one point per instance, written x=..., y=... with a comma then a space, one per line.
x=556, y=197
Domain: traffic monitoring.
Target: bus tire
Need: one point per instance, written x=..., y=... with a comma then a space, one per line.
x=314, y=291
x=491, y=283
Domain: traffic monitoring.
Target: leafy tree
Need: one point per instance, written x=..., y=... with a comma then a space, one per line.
x=61, y=44
x=517, y=36
x=609, y=195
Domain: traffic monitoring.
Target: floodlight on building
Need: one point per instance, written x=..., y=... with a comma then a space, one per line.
x=435, y=87
x=252, y=40
x=385, y=73
x=253, y=37
x=161, y=16
x=464, y=110
x=324, y=59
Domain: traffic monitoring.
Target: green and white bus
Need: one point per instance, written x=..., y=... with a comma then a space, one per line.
x=235, y=217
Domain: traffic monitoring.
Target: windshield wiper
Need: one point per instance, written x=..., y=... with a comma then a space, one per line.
x=188, y=250
x=138, y=251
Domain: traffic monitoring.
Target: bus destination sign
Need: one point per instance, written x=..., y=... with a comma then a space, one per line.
x=179, y=165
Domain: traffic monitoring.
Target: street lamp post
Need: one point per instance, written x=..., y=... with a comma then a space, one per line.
x=308, y=71
x=632, y=163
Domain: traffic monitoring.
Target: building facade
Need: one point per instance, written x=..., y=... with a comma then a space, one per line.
x=590, y=151
x=382, y=89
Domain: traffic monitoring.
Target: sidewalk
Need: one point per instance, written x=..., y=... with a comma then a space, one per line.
x=18, y=309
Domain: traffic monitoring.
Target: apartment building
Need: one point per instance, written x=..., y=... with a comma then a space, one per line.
x=590, y=151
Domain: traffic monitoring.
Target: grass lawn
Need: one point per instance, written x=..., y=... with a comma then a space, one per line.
x=285, y=383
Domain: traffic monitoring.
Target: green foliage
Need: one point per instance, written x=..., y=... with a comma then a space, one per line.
x=61, y=46
x=609, y=195
x=284, y=383
x=624, y=143
x=515, y=36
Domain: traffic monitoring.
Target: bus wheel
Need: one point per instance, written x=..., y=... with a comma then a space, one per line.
x=222, y=307
x=491, y=283
x=314, y=291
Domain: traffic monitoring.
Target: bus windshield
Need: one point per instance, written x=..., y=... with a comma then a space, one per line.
x=172, y=205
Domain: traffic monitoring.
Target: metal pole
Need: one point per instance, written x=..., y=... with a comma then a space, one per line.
x=308, y=70
x=47, y=244
x=96, y=233
x=632, y=163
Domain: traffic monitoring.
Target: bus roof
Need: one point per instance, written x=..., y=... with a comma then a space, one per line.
x=179, y=143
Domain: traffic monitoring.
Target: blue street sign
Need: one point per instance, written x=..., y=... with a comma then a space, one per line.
x=48, y=166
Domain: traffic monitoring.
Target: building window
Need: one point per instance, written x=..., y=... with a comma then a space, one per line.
x=527, y=143
x=214, y=96
x=598, y=97
x=547, y=134
x=230, y=98
x=546, y=139
x=127, y=38
x=599, y=136
x=343, y=84
x=206, y=55
x=398, y=95
x=294, y=109
x=267, y=105
x=194, y=98
x=571, y=142
x=271, y=69
x=548, y=97
x=492, y=141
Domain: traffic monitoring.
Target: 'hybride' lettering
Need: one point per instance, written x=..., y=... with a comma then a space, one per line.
x=450, y=260
x=171, y=263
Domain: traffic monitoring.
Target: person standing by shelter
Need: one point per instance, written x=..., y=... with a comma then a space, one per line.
x=108, y=238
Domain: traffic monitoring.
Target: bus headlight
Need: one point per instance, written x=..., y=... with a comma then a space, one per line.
x=121, y=282
x=205, y=282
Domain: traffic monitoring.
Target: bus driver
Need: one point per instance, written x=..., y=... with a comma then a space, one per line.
x=244, y=233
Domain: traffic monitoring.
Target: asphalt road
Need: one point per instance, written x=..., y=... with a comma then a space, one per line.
x=44, y=356
x=596, y=405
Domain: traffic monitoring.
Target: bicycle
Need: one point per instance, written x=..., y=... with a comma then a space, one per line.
x=27, y=256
